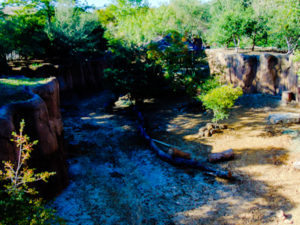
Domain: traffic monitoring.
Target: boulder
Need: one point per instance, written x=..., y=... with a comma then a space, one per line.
x=210, y=126
x=296, y=165
x=207, y=133
x=210, y=129
x=222, y=126
x=213, y=131
x=285, y=118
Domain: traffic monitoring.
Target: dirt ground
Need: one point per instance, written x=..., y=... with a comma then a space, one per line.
x=116, y=179
x=263, y=164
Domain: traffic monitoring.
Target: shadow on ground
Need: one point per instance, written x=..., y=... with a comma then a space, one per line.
x=116, y=178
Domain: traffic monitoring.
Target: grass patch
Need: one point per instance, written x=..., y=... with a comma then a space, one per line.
x=12, y=89
x=24, y=81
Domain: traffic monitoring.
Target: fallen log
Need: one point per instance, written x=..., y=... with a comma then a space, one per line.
x=173, y=150
x=163, y=143
x=180, y=161
x=221, y=156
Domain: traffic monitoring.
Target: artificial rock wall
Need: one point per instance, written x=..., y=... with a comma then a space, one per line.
x=261, y=72
x=43, y=122
x=72, y=75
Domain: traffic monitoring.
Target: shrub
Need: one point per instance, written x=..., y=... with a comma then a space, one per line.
x=220, y=100
x=17, y=204
x=209, y=84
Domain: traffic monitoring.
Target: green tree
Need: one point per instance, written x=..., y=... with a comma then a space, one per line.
x=73, y=31
x=286, y=22
x=255, y=27
x=189, y=16
x=23, y=25
x=139, y=24
x=227, y=23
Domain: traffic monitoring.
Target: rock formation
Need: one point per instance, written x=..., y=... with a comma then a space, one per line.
x=261, y=72
x=43, y=123
x=71, y=75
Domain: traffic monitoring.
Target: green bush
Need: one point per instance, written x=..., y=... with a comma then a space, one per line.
x=209, y=84
x=17, y=204
x=220, y=100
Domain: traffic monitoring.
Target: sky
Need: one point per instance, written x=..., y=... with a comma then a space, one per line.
x=101, y=3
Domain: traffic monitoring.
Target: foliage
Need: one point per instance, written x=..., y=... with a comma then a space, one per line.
x=17, y=207
x=209, y=84
x=286, y=23
x=296, y=58
x=190, y=17
x=182, y=67
x=227, y=23
x=139, y=24
x=265, y=23
x=132, y=23
x=220, y=100
x=132, y=73
x=73, y=31
x=255, y=27
x=47, y=28
x=22, y=26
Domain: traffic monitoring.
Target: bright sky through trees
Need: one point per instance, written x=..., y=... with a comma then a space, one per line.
x=101, y=3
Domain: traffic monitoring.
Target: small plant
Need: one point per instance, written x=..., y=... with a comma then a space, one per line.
x=17, y=204
x=220, y=100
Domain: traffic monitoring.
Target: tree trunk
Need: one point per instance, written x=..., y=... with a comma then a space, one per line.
x=236, y=45
x=4, y=68
x=288, y=45
x=253, y=43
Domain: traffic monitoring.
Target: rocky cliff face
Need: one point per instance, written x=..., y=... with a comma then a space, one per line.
x=43, y=123
x=262, y=72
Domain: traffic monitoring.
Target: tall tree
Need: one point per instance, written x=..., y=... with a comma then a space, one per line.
x=255, y=26
x=24, y=24
x=286, y=22
x=227, y=23
x=191, y=16
x=74, y=31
